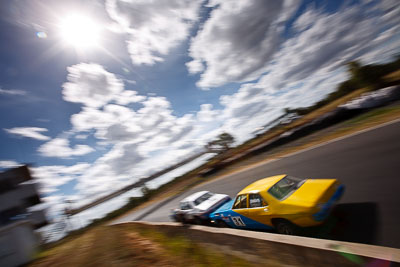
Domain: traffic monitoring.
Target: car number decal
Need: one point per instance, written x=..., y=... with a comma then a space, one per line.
x=238, y=221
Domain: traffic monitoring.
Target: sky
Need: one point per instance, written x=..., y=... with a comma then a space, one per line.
x=98, y=94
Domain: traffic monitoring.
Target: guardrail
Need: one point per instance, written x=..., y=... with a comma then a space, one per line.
x=276, y=249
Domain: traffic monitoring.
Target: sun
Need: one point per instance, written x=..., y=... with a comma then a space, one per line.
x=79, y=31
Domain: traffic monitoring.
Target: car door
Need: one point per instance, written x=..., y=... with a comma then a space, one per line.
x=258, y=212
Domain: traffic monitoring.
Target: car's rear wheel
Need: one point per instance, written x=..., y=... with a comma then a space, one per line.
x=285, y=227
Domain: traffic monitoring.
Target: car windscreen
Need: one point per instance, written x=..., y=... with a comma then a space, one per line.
x=285, y=187
x=185, y=206
x=202, y=198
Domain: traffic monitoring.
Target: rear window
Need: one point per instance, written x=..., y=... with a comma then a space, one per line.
x=203, y=198
x=256, y=201
x=285, y=187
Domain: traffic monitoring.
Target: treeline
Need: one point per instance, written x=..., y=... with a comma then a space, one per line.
x=368, y=76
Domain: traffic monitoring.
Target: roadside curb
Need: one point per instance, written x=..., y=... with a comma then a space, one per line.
x=369, y=251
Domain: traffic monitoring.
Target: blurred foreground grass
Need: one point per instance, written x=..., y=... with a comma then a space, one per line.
x=126, y=245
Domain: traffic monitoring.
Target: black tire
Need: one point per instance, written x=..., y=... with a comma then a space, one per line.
x=198, y=221
x=221, y=224
x=181, y=218
x=285, y=227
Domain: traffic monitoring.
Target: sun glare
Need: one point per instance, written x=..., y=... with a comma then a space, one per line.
x=80, y=31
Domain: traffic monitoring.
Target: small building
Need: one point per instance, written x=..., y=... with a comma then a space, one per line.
x=18, y=240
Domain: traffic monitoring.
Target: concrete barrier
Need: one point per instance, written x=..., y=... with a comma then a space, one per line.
x=273, y=249
x=18, y=244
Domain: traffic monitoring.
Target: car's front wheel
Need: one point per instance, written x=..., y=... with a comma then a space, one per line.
x=181, y=218
x=285, y=227
x=221, y=224
x=198, y=221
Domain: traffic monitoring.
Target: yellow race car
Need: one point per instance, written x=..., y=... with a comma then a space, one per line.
x=282, y=202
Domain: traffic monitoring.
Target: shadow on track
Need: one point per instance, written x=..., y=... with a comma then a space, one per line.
x=351, y=222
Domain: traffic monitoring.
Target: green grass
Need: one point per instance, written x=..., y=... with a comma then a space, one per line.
x=127, y=245
x=378, y=113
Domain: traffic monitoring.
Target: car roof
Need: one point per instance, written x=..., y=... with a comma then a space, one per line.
x=261, y=185
x=194, y=196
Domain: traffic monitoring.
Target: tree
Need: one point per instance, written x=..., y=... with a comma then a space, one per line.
x=221, y=144
x=367, y=75
x=147, y=192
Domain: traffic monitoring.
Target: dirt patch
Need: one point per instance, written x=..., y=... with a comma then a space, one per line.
x=106, y=247
x=125, y=245
x=146, y=251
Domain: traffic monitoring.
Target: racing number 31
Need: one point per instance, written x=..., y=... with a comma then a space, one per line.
x=238, y=221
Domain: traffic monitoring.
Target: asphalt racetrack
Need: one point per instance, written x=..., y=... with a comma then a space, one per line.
x=368, y=164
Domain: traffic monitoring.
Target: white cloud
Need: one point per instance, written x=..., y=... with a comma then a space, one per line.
x=90, y=118
x=81, y=136
x=230, y=49
x=59, y=147
x=30, y=132
x=126, y=97
x=140, y=142
x=129, y=81
x=309, y=65
x=238, y=40
x=153, y=27
x=9, y=164
x=12, y=92
x=206, y=113
x=314, y=49
x=91, y=85
x=391, y=12
x=94, y=86
x=51, y=177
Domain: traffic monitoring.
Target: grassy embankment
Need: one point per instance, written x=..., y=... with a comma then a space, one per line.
x=126, y=245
